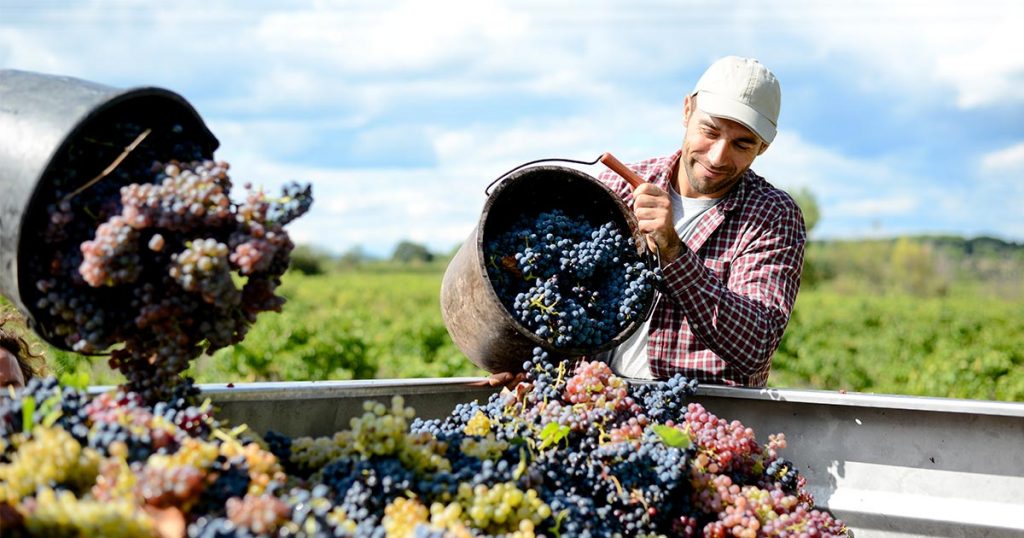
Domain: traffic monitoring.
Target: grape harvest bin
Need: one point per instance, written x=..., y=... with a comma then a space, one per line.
x=890, y=466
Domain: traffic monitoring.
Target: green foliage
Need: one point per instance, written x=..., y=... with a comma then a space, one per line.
x=673, y=437
x=552, y=434
x=309, y=260
x=409, y=252
x=955, y=346
x=350, y=325
x=913, y=267
x=904, y=265
x=921, y=316
x=27, y=410
x=353, y=258
x=77, y=380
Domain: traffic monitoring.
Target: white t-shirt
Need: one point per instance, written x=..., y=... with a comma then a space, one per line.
x=629, y=359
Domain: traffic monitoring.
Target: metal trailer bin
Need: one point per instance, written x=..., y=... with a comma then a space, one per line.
x=890, y=466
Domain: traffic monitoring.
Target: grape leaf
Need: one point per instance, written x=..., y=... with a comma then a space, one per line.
x=672, y=437
x=76, y=380
x=552, y=433
x=28, y=408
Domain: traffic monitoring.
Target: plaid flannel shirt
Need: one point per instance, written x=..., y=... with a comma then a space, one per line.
x=730, y=293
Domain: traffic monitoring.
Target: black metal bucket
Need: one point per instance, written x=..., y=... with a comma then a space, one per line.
x=479, y=324
x=40, y=117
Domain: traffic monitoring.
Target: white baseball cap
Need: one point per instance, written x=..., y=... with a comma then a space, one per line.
x=743, y=90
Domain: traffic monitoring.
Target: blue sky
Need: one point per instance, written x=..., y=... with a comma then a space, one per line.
x=900, y=116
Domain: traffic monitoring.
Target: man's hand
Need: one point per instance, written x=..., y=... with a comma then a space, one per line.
x=653, y=208
x=506, y=380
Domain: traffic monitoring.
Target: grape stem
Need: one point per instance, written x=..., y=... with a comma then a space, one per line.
x=106, y=171
x=539, y=303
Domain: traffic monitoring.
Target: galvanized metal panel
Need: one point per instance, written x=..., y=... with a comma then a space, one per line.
x=320, y=408
x=891, y=466
x=896, y=466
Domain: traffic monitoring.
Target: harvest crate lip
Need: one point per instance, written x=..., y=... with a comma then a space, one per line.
x=868, y=400
x=300, y=390
x=328, y=389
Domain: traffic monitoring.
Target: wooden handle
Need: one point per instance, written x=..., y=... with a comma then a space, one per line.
x=616, y=165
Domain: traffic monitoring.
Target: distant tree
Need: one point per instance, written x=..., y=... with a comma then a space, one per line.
x=353, y=257
x=309, y=260
x=408, y=252
x=914, y=268
x=808, y=206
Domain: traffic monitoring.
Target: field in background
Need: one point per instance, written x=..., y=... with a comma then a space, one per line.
x=900, y=316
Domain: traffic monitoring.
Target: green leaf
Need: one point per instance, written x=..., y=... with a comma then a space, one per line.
x=75, y=380
x=28, y=408
x=552, y=434
x=673, y=437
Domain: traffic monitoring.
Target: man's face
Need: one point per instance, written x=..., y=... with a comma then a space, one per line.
x=716, y=152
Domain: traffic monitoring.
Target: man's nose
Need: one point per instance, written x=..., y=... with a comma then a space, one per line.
x=717, y=153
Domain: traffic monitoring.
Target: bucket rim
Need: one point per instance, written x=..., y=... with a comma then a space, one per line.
x=41, y=194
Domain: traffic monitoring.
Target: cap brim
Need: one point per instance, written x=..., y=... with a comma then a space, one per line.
x=724, y=107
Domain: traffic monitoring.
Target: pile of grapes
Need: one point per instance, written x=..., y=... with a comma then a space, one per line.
x=572, y=283
x=152, y=258
x=571, y=451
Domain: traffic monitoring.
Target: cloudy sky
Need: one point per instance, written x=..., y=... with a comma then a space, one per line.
x=899, y=116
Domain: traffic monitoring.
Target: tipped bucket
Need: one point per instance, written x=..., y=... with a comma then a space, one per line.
x=41, y=117
x=479, y=324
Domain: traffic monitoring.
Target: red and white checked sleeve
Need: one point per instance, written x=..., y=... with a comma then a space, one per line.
x=742, y=320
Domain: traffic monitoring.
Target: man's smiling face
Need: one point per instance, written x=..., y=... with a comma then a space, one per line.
x=716, y=153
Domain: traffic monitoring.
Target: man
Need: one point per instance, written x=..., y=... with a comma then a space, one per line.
x=731, y=245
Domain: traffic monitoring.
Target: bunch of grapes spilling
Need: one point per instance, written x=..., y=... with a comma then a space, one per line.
x=572, y=283
x=572, y=451
x=155, y=260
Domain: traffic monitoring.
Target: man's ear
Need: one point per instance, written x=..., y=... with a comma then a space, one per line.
x=764, y=148
x=688, y=105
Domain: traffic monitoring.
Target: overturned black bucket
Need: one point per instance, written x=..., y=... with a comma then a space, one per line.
x=477, y=321
x=41, y=116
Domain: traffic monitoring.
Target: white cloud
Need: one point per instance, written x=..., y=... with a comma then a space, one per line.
x=999, y=189
x=20, y=48
x=792, y=162
x=408, y=35
x=438, y=205
x=633, y=132
x=973, y=47
x=1008, y=160
x=273, y=81
x=855, y=194
x=375, y=208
